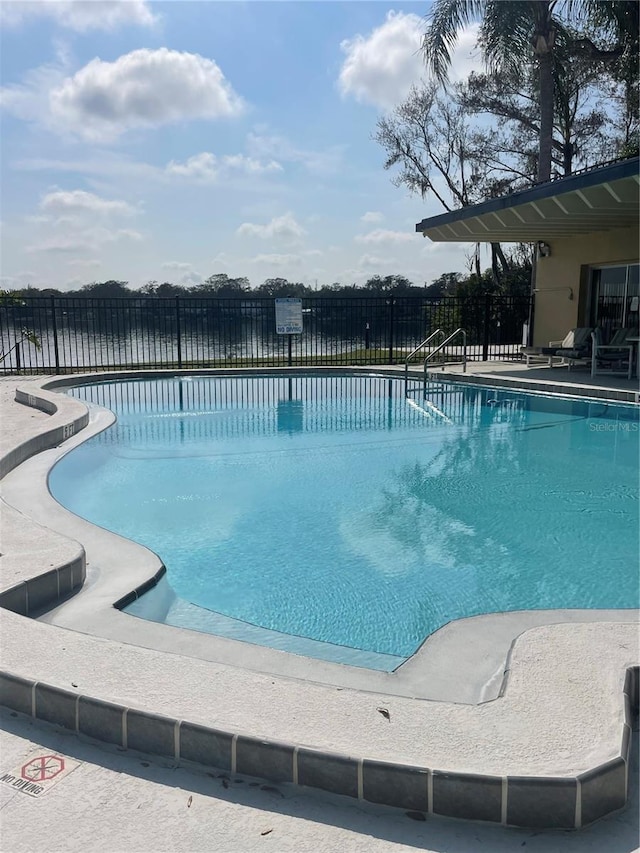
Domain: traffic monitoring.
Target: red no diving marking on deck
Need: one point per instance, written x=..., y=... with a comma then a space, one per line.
x=40, y=773
x=42, y=768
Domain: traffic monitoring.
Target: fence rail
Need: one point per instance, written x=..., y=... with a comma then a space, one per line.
x=88, y=334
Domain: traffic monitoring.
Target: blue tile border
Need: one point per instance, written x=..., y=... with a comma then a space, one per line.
x=405, y=787
x=132, y=596
x=206, y=746
x=43, y=440
x=338, y=774
x=603, y=790
x=542, y=802
x=521, y=801
x=264, y=758
x=468, y=795
x=44, y=591
x=38, y=594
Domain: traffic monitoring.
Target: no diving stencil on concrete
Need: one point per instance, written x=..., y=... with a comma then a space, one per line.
x=39, y=773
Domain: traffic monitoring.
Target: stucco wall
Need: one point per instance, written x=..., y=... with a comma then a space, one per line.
x=555, y=313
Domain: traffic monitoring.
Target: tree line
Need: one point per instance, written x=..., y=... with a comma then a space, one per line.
x=220, y=285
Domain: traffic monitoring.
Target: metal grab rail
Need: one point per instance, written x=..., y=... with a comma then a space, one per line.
x=417, y=349
x=441, y=346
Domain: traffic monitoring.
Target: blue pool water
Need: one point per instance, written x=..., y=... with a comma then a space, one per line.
x=335, y=509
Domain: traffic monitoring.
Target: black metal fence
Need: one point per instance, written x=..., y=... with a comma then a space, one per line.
x=72, y=334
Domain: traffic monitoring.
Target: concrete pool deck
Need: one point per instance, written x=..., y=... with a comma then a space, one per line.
x=550, y=750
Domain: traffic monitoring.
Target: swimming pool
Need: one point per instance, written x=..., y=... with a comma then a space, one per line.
x=325, y=514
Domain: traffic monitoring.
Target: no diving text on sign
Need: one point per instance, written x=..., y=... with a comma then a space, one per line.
x=288, y=316
x=37, y=775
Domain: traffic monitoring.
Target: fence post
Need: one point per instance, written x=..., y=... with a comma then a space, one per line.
x=19, y=356
x=532, y=319
x=178, y=332
x=485, y=336
x=56, y=352
x=391, y=303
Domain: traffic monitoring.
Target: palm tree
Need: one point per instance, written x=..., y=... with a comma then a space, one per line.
x=515, y=32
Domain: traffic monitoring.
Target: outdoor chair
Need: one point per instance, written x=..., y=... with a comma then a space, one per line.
x=575, y=347
x=614, y=357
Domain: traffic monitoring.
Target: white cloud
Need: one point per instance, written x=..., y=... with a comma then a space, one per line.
x=223, y=259
x=369, y=261
x=276, y=260
x=465, y=56
x=191, y=278
x=79, y=222
x=124, y=234
x=29, y=100
x=79, y=201
x=270, y=146
x=284, y=228
x=440, y=248
x=82, y=240
x=372, y=216
x=383, y=236
x=36, y=220
x=249, y=165
x=85, y=263
x=19, y=281
x=101, y=162
x=200, y=167
x=60, y=245
x=81, y=16
x=187, y=275
x=176, y=266
x=207, y=168
x=381, y=67
x=144, y=88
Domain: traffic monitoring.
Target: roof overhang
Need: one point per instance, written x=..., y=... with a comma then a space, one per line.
x=600, y=199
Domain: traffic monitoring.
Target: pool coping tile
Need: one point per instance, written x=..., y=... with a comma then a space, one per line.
x=542, y=802
x=147, y=732
x=603, y=790
x=205, y=746
x=339, y=774
x=56, y=706
x=102, y=720
x=474, y=796
x=402, y=786
x=263, y=758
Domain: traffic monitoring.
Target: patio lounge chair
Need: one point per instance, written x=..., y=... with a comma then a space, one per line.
x=614, y=357
x=575, y=347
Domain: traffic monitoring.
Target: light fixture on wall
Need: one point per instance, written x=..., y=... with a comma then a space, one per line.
x=544, y=249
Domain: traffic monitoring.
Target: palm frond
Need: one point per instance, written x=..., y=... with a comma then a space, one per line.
x=506, y=33
x=614, y=17
x=446, y=19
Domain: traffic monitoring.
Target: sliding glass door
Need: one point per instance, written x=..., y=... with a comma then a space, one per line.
x=616, y=298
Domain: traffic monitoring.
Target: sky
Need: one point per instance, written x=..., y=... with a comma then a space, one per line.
x=150, y=141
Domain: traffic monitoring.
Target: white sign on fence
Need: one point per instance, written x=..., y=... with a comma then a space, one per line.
x=289, y=316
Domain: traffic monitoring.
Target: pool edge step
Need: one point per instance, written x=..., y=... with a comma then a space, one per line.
x=524, y=801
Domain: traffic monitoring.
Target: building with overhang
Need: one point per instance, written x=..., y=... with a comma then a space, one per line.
x=585, y=228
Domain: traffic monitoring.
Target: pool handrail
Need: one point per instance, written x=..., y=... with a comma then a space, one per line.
x=417, y=350
x=441, y=347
